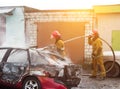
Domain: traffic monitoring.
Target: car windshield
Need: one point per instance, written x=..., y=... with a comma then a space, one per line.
x=41, y=57
x=37, y=58
x=52, y=57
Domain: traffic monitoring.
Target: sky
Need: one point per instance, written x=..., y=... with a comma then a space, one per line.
x=58, y=4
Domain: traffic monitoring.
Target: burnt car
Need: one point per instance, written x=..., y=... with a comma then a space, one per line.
x=36, y=68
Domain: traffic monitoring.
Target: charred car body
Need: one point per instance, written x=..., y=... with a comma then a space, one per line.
x=36, y=69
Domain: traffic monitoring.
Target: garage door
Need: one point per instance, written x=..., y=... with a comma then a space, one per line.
x=74, y=48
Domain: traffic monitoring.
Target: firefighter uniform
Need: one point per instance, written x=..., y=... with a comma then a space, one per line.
x=59, y=43
x=97, y=56
x=60, y=47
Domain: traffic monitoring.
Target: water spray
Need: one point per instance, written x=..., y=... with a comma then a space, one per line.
x=69, y=40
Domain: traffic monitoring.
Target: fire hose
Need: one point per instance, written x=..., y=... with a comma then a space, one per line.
x=112, y=53
x=112, y=65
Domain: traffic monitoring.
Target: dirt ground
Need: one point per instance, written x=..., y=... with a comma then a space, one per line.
x=90, y=83
x=108, y=83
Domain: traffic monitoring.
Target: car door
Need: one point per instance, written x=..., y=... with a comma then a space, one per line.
x=14, y=65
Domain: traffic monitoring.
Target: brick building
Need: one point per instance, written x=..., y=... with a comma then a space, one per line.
x=70, y=23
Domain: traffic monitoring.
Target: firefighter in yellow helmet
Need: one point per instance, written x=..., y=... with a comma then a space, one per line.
x=97, y=55
x=59, y=43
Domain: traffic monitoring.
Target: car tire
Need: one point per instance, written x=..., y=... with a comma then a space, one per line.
x=114, y=71
x=31, y=83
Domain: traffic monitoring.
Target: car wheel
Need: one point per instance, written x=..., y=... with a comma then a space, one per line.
x=115, y=70
x=31, y=83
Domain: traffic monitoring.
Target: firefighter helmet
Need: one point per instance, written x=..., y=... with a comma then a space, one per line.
x=55, y=34
x=95, y=32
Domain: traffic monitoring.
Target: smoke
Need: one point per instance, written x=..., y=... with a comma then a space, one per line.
x=14, y=42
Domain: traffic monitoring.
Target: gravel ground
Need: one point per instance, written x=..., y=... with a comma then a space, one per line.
x=108, y=83
x=94, y=83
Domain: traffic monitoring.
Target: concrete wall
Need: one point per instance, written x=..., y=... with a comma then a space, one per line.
x=107, y=23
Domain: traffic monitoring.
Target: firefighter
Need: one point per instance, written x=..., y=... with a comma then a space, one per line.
x=59, y=43
x=97, y=55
